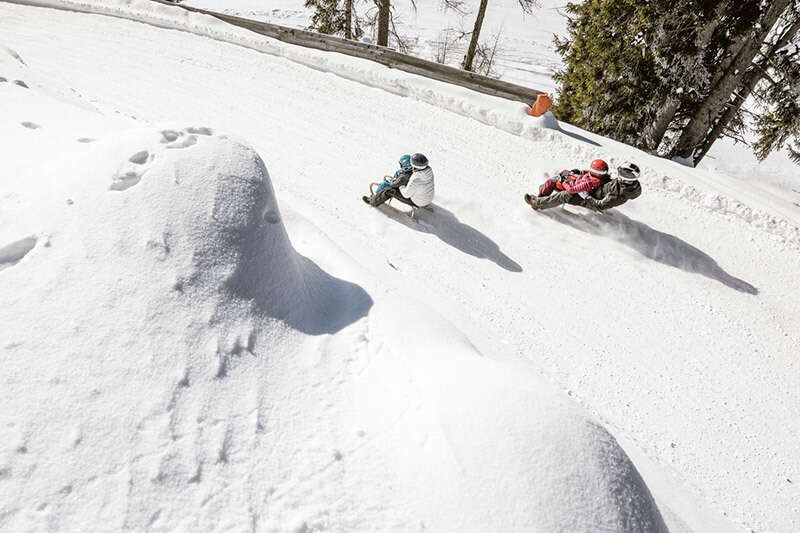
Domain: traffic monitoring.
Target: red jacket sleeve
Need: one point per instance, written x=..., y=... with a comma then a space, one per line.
x=584, y=183
x=547, y=187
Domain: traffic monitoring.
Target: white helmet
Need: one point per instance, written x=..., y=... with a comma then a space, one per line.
x=628, y=172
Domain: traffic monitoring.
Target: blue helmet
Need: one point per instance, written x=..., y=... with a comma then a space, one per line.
x=405, y=163
x=419, y=161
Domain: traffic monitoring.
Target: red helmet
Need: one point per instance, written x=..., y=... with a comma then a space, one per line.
x=598, y=168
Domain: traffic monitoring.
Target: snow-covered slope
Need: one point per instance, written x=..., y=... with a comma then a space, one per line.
x=182, y=365
x=186, y=377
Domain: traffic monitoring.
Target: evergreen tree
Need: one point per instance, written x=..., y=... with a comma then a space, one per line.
x=610, y=79
x=335, y=17
x=686, y=44
x=779, y=125
x=704, y=126
x=673, y=76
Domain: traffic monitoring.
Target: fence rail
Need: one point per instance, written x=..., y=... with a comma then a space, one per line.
x=378, y=54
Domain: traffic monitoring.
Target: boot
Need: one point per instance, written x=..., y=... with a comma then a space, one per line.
x=531, y=201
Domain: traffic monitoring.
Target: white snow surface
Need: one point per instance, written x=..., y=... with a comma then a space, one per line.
x=181, y=353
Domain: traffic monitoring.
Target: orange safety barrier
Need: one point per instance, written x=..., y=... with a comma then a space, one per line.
x=541, y=106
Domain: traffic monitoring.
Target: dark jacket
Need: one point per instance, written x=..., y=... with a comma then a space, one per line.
x=612, y=194
x=400, y=178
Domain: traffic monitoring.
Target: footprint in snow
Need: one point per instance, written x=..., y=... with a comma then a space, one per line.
x=168, y=136
x=140, y=158
x=30, y=125
x=184, y=138
x=12, y=253
x=131, y=172
x=125, y=180
x=202, y=130
x=3, y=80
x=139, y=163
x=21, y=83
x=85, y=140
x=185, y=142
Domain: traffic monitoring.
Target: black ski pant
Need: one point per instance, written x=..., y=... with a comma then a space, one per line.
x=389, y=193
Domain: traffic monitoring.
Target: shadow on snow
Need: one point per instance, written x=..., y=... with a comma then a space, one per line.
x=446, y=226
x=576, y=136
x=653, y=244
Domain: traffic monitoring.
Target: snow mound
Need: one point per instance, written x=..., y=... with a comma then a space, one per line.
x=210, y=216
x=168, y=290
x=214, y=215
x=520, y=456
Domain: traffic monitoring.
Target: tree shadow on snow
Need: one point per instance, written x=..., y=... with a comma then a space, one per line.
x=653, y=244
x=576, y=136
x=549, y=121
x=446, y=226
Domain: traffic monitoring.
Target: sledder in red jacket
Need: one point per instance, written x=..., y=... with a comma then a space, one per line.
x=571, y=186
x=571, y=182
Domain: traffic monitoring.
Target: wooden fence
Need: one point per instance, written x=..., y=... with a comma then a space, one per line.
x=378, y=54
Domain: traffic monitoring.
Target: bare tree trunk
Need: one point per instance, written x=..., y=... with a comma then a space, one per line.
x=701, y=122
x=662, y=122
x=384, y=13
x=348, y=19
x=754, y=75
x=476, y=33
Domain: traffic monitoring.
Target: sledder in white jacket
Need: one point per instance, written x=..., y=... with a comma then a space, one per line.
x=412, y=184
x=420, y=189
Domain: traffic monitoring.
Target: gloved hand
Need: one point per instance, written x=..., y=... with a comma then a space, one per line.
x=566, y=175
x=560, y=185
